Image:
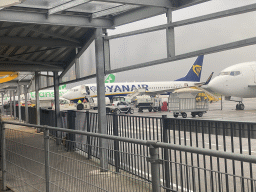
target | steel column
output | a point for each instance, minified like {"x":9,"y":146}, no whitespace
{"x":14,"y":104}
{"x":37,"y":100}
{"x":107,"y":53}
{"x":57,"y":105}
{"x":2,"y":103}
{"x":155,"y":168}
{"x":3,"y":158}
{"x":47,"y":160}
{"x":10,"y":94}
{"x":102,"y":120}
{"x":18,"y":92}
{"x":170,"y":39}
{"x":77,"y":66}
{"x":26,"y":102}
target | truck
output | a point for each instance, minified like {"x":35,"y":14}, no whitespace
{"x":149,"y":103}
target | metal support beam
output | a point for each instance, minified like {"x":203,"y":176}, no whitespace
{"x":37,"y":99}
{"x":153,"y":3}
{"x":170,"y":38}
{"x":39,"y":18}
{"x":77,"y":66}
{"x":57,"y":104}
{"x":29,"y":66}
{"x":38,"y":42}
{"x":137,"y":15}
{"x":10,"y":94}
{"x":107,"y":54}
{"x":19,"y":106}
{"x":14,"y":101}
{"x":81,"y":51}
{"x":216,"y":49}
{"x":66,"y":6}
{"x":102,"y":119}
{"x":2,"y":110}
{"x":26,"y":103}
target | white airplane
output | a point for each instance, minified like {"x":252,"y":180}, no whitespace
{"x":235,"y":83}
{"x":123,"y":89}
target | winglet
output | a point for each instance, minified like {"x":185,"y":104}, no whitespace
{"x":209,"y":79}
{"x":194,"y":73}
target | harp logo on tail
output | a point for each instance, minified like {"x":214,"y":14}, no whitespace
{"x":197,"y":69}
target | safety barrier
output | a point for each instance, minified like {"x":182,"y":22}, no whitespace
{"x":193,"y":155}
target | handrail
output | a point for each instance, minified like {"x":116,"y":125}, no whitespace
{"x":152,"y":143}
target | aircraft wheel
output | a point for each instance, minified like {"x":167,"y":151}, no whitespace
{"x":184,"y":115}
{"x":241,"y":106}
{"x":200,"y":114}
{"x":237,"y":107}
{"x":131,"y":111}
{"x":150,"y":110}
{"x":175,"y":116}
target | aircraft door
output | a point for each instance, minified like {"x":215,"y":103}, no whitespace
{"x":85,"y":90}
{"x":254,"y":72}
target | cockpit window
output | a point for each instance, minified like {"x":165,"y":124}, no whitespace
{"x":232,"y":73}
{"x":235,"y":73}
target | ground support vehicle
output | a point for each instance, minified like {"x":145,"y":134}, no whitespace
{"x":120,"y":107}
{"x":183,"y":102}
{"x":149,"y":103}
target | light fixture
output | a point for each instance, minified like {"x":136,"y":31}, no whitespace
{"x":7,"y":3}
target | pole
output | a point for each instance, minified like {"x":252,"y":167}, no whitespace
{"x":47,"y":156}
{"x":3,"y":150}
{"x":19,"y":102}
{"x":100,"y":76}
{"x":26,"y":103}
{"x":37,"y":100}
{"x":14,"y":105}
{"x":155,"y":169}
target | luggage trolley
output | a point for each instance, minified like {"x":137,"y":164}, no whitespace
{"x":187,"y":100}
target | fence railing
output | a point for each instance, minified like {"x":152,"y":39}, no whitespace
{"x":179,"y":169}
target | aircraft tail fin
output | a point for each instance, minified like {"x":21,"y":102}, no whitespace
{"x":194,"y":73}
{"x":209,"y":79}
{"x":110,"y":78}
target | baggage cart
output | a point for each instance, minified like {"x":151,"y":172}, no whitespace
{"x":182,"y":102}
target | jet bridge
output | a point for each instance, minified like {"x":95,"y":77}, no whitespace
{"x":44,"y":39}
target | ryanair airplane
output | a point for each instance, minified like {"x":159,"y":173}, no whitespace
{"x":151,"y":88}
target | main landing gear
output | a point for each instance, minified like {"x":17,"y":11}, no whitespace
{"x":240,"y":106}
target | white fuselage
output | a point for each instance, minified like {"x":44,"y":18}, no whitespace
{"x":116,"y":89}
{"x":237,"y":81}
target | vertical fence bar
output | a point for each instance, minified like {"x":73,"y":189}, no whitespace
{"x":155,"y":168}
{"x":116,"y":143}
{"x":3,"y":150}
{"x":166,"y":156}
{"x":88,"y":123}
{"x":47,"y":155}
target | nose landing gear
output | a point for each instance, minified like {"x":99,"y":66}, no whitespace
{"x":240,"y":106}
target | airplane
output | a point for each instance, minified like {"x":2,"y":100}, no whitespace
{"x":122,"y":89}
{"x":235,"y":83}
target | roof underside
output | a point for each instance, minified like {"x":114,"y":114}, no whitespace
{"x":47,"y":35}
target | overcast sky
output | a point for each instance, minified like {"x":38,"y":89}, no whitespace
{"x":147,"y":47}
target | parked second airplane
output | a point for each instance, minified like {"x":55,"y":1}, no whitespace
{"x":235,"y":83}
{"x":118,"y":89}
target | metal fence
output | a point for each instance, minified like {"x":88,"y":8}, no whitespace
{"x":34,"y":162}
{"x":180,"y":170}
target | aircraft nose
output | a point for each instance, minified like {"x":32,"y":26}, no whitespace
{"x":216,"y":85}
